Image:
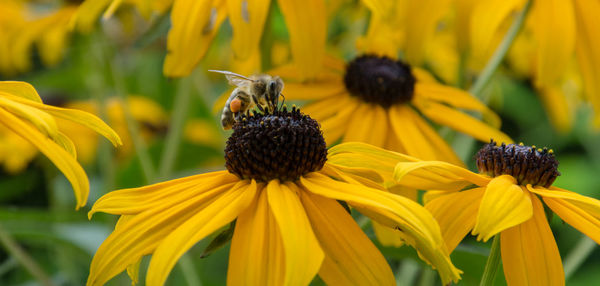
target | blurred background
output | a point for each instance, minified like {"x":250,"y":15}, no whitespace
{"x":170,"y":128}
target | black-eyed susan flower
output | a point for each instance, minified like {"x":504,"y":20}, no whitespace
{"x":387,"y":103}
{"x":282,"y":192}
{"x":505,"y":199}
{"x":562,"y":32}
{"x":23,"y":113}
{"x":194,"y":24}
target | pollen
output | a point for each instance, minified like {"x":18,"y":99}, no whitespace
{"x":527,"y":165}
{"x":380,"y":80}
{"x":280,"y":145}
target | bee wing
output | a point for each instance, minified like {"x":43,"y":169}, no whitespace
{"x":234,"y":78}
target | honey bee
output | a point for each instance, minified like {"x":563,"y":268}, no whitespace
{"x":262,"y":91}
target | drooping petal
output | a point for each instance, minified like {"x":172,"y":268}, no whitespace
{"x":59,"y":157}
{"x":587,"y":50}
{"x":350,"y":257}
{"x":215,"y":215}
{"x":88,"y":14}
{"x":20,"y":89}
{"x":247,"y":18}
{"x":387,"y":236}
{"x":306,"y":21}
{"x":555,"y":39}
{"x":529,"y":252}
{"x":581,"y":212}
{"x":456,"y":214}
{"x":393,"y":211}
{"x":457,"y":98}
{"x":194,"y":24}
{"x":257,"y":255}
{"x":303,"y":254}
{"x":142,"y":234}
{"x":137,"y":200}
{"x":38,"y":118}
{"x":436,"y":175}
{"x":504,"y":205}
{"x":81,"y":117}
{"x":460,"y":121}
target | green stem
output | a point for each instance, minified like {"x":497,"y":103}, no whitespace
{"x":498,"y":56}
{"x":491,"y":266}
{"x":15,"y":250}
{"x":189,"y":271}
{"x":578,"y":255}
{"x":173,"y":140}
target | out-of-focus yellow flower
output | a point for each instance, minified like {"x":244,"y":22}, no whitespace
{"x":195,"y":23}
{"x":15,"y":152}
{"x":505,"y":201}
{"x":560,"y":32}
{"x":23,"y":113}
{"x":22,"y":26}
{"x":289,"y":226}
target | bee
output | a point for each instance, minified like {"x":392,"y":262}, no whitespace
{"x":261,"y":91}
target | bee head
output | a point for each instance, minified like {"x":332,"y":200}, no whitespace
{"x":274,"y":89}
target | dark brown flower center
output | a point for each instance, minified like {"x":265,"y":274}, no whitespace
{"x":526,"y":164}
{"x":280,"y":145}
{"x":380,"y":80}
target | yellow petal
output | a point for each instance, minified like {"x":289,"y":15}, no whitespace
{"x":442,"y":149}
{"x":457,"y":98}
{"x":137,"y":200}
{"x":63,"y":141}
{"x":20,"y":89}
{"x":504,"y":205}
{"x":456,"y":213}
{"x":422,"y":18}
{"x":393,"y":211}
{"x":382,"y":8}
{"x":247,"y":19}
{"x":436,"y":175}
{"x":81,"y":117}
{"x":412,"y":139}
{"x":387,"y":236}
{"x":488,"y":17}
{"x":303,"y":255}
{"x":133,"y":271}
{"x":384,"y":37}
{"x":350,"y":257}
{"x":142,"y":233}
{"x":335,"y":127}
{"x":587,"y":50}
{"x":581,"y":212}
{"x":369,"y":125}
{"x":555,"y":39}
{"x":529,"y":252}
{"x":40,"y":119}
{"x":59,"y":157}
{"x":87,"y":14}
{"x":460,"y":121}
{"x":307,"y":37}
{"x":194,"y":24}
{"x":560,"y":114}
{"x":327,"y":107}
{"x":257,"y":255}
{"x":215,"y":215}
{"x":313,"y":90}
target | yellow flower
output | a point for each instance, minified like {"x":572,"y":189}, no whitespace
{"x":23,"y":113}
{"x":195,"y":23}
{"x":23,"y":26}
{"x":282,"y":193}
{"x":562,"y":31}
{"x":505,"y":200}
{"x":387,"y":103}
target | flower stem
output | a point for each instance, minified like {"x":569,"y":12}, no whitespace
{"x":13,"y":248}
{"x":491,"y":266}
{"x":498,"y":56}
{"x":578,"y":255}
{"x":173,"y":140}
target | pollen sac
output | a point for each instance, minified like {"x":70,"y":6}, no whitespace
{"x":380,"y":80}
{"x":526,"y":164}
{"x":280,"y":145}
